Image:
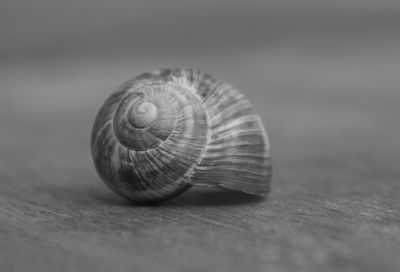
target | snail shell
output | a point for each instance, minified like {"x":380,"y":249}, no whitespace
{"x":162,"y":132}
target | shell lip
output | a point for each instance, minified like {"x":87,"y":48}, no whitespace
{"x":260,"y":191}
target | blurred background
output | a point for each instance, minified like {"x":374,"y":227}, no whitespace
{"x":323,"y":75}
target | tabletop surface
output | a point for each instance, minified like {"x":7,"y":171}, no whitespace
{"x":331,"y":109}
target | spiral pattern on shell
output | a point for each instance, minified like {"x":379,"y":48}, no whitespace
{"x":162,"y":132}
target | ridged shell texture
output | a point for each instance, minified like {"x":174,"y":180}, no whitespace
{"x":162,"y":132}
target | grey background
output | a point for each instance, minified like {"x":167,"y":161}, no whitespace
{"x":323,"y":75}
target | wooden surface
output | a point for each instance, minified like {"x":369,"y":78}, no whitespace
{"x":333,"y":119}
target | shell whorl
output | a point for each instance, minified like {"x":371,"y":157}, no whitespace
{"x":164,"y":131}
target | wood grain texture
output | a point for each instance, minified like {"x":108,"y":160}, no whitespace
{"x":334,"y":204}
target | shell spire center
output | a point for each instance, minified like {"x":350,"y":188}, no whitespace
{"x":142,"y":114}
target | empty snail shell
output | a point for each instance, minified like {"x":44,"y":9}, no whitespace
{"x":162,"y":132}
